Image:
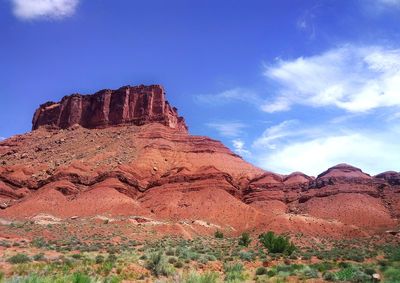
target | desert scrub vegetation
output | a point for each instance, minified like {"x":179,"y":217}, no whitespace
{"x":268,"y":258}
{"x":158,"y":264}
{"x":244,"y":239}
{"x":234,"y":272}
{"x":19,"y":258}
{"x":277,"y":243}
{"x":207,"y":277}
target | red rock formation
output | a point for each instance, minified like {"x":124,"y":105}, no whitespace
{"x":136,"y":105}
{"x":151,"y":167}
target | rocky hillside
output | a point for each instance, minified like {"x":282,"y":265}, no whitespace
{"x":127,"y":153}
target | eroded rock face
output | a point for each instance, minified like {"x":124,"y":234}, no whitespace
{"x":137,"y":105}
{"x":151,"y":167}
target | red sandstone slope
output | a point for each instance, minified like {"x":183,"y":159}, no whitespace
{"x":127,"y":152}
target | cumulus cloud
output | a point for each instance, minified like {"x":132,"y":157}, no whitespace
{"x":240,"y":148}
{"x":228,"y":129}
{"x":36,"y":9}
{"x":2,"y":138}
{"x":356,"y":79}
{"x":314,"y":150}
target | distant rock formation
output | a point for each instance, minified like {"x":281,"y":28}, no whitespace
{"x":137,"y":105}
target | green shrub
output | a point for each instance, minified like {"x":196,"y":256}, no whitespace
{"x":19,"y":258}
{"x":329,"y":276}
{"x":208,"y":277}
{"x":245,"y":239}
{"x":178,"y":264}
{"x":307,"y":272}
{"x":261,"y":270}
{"x":218,"y":234}
{"x":99,"y":259}
{"x":353,"y":274}
{"x":172,"y":260}
{"x":323,"y":266}
{"x":112,"y":258}
{"x":80,"y":278}
{"x":77,"y":256}
{"x":394,"y":254}
{"x":247,"y":256}
{"x":392,"y":275}
{"x":170,"y":252}
{"x":234,"y":272}
{"x":276,"y":244}
{"x":38,"y":242}
{"x":39,"y":257}
{"x":158,"y":265}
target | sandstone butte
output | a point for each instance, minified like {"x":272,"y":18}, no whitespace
{"x":127,"y":153}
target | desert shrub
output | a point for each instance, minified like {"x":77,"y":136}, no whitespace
{"x":218,"y":234}
{"x":308,"y":272}
{"x":329,"y":276}
{"x":39,"y":257}
{"x":38,"y":242}
{"x":172,"y":260}
{"x":158,"y":265}
{"x":261,"y":271}
{"x":170,"y":252}
{"x":99,"y":259}
{"x":76,"y":256}
{"x":276,"y":244}
{"x":105,"y":268}
{"x":211,"y":257}
{"x":247,"y":256}
{"x":272,"y":272}
{"x":392,"y":275}
{"x":112,"y":258}
{"x":112,"y":279}
{"x":234,"y":272}
{"x":393,"y":253}
{"x":353,"y":273}
{"x":208,"y":277}
{"x":244,"y":239}
{"x":323,"y":266}
{"x":203,"y":259}
{"x":178,"y":264}
{"x":80,"y":278}
{"x":19,"y":258}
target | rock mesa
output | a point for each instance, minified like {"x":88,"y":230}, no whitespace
{"x":136,"y":105}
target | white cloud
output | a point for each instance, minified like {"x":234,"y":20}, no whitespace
{"x":275,"y":134}
{"x":2,"y":138}
{"x":35,"y":9}
{"x":356,"y":79}
{"x":238,"y":94}
{"x":228,"y":129}
{"x":388,"y":3}
{"x":240,"y":148}
{"x":312,"y":150}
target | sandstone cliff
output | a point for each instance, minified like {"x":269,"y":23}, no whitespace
{"x":136,"y":105}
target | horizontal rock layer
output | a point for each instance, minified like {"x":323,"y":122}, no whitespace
{"x":136,"y":105}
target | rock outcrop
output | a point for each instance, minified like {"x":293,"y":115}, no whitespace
{"x":150,"y":166}
{"x":136,"y":105}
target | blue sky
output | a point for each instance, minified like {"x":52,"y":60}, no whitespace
{"x":289,"y":85}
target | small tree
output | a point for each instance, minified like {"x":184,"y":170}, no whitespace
{"x":244,"y":239}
